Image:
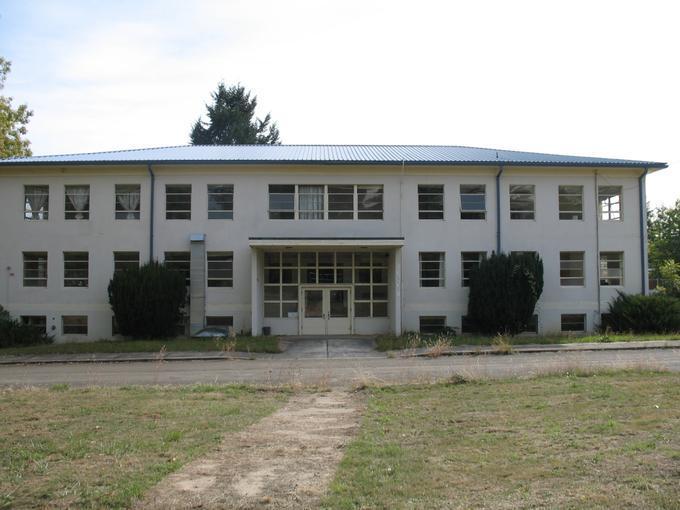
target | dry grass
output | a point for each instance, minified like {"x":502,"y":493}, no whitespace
{"x":603,"y":440}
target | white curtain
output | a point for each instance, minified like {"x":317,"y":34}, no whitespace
{"x":79,"y":196}
{"x":129,"y":201}
{"x":36,"y":203}
{"x":311,"y":202}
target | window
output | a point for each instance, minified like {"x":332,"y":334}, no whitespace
{"x":571,"y":269}
{"x":38,"y":322}
{"x":178,"y":201}
{"x":35,"y":269}
{"x":123,"y":260}
{"x":220,"y":201}
{"x":76,"y":269}
{"x":281,"y":201}
{"x":179,"y":261}
{"x":432,"y":324}
{"x":573,"y":322}
{"x":472,"y":202}
{"x":74,"y":324}
{"x":610,"y":203}
{"x":77,"y":202}
{"x":370,"y":202}
{"x":522,"y":201}
{"x":341,"y":202}
{"x":220,"y":269}
{"x":219,"y":321}
{"x":532,"y":325}
{"x":36,"y":202}
{"x":281,"y":278}
{"x":611,"y":268}
{"x":430,"y":202}
{"x":310,"y":202}
{"x":370,"y":268}
{"x":127,"y":201}
{"x":466,"y":325}
{"x":570,"y":202}
{"x":469,"y":261}
{"x":431,"y":269}
{"x":522,"y":253}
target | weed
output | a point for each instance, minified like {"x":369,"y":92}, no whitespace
{"x":59,"y":387}
{"x":502,"y":344}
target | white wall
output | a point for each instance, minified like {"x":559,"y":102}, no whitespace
{"x":102,"y":234}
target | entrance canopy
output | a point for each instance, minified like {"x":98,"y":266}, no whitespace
{"x":326,"y":242}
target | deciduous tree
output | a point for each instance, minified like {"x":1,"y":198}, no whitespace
{"x":12,"y":121}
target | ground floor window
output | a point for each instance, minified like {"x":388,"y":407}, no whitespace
{"x":74,"y":324}
{"x":39,"y":322}
{"x":179,"y":261}
{"x":219,"y":321}
{"x":430,"y":324}
{"x":574,"y":322}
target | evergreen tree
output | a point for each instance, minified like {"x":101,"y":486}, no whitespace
{"x":232,"y":121}
{"x":12,"y":121}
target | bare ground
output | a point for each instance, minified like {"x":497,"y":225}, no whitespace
{"x":284,"y":461}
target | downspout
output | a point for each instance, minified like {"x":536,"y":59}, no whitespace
{"x":643,"y":231}
{"x":498,"y":209}
{"x":152,"y":193}
{"x":597,"y":246}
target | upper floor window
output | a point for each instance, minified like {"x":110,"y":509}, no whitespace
{"x":611,"y":268}
{"x":220,"y":269}
{"x":469,"y":261}
{"x":572,"y":273}
{"x":123,"y":260}
{"x":77,"y":202}
{"x":430,"y":202}
{"x":317,"y":202}
{"x":35,"y":269}
{"x":431,"y":269}
{"x":220,"y":201}
{"x":179,"y":261}
{"x":570,"y":202}
{"x":472,"y":201}
{"x":127,"y":201}
{"x":178,"y":201}
{"x":36,"y":202}
{"x":610,"y":203}
{"x":76,"y":269}
{"x":522,"y":202}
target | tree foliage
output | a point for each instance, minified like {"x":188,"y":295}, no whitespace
{"x":663,"y":229}
{"x":232,"y":121}
{"x":12,"y":121}
{"x":146,"y":301}
{"x":656,"y":313}
{"x":504,"y":290}
{"x":669,"y":274}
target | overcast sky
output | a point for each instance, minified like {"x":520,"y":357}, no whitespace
{"x":588,"y":78}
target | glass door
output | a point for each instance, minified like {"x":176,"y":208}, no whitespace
{"x":326,"y":311}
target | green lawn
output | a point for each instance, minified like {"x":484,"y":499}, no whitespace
{"x":571,"y":441}
{"x":103,"y":447}
{"x":414,"y":340}
{"x":244,"y":344}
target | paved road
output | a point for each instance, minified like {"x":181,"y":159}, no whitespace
{"x":332,"y":372}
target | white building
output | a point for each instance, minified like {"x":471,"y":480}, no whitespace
{"x":317,"y":239}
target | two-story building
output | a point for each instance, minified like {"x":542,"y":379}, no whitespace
{"x":322,"y":240}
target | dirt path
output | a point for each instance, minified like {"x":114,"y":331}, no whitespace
{"x":286,"y":460}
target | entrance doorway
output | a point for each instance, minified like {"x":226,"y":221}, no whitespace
{"x":326,"y":311}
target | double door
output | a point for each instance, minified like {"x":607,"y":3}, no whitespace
{"x":326,"y":311}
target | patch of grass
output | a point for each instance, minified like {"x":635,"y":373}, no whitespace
{"x":415,"y":340}
{"x":242,"y":343}
{"x":104,"y":447}
{"x":571,"y":441}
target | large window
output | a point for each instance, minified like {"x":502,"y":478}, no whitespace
{"x":127,"y":201}
{"x":179,"y":261}
{"x":469,"y":261}
{"x":220,"y":269}
{"x":281,"y":279}
{"x":35,"y":269}
{"x":76,"y":269}
{"x":611,"y":268}
{"x":574,"y":322}
{"x":178,"y":201}
{"x":74,"y":324}
{"x":522,"y":202}
{"x":430,"y":202}
{"x":77,"y":202}
{"x":123,"y":260}
{"x":610,"y":203}
{"x":431,"y":269}
{"x":570,"y":202}
{"x":318,"y":202}
{"x":220,"y":201}
{"x":472,"y":201}
{"x":36,"y":202}
{"x":571,"y":269}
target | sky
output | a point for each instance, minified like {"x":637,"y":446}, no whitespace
{"x":587,"y":78}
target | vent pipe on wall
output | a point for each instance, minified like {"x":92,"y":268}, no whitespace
{"x":498,"y":208}
{"x":152,"y":193}
{"x":643,"y":232}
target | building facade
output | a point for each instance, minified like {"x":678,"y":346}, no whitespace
{"x":317,"y":240}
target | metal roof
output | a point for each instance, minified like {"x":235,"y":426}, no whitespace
{"x":327,"y":154}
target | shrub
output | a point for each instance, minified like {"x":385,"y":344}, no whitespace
{"x":504,"y":290}
{"x":14,"y":333}
{"x":656,"y":313}
{"x":146,"y":301}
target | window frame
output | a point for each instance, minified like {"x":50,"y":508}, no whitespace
{"x":76,"y":264}
{"x":436,"y":191}
{"x":516,"y":214}
{"x":573,"y":316}
{"x":605,"y":280}
{"x":434,"y":328}
{"x":609,"y":214}
{"x":178,"y":214}
{"x":70,"y":213}
{"x":293,"y":211}
{"x":471,"y":214}
{"x":440,"y":279}
{"x":465,"y":271}
{"x":44,"y":212}
{"x":221,"y":214}
{"x":220,"y":257}
{"x":567,"y":261}
{"x":79,"y":327}
{"x":123,"y":214}
{"x":41,"y":267}
{"x":562,"y":193}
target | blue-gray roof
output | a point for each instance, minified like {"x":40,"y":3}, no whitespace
{"x":328,"y":154}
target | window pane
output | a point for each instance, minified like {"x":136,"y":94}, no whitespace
{"x":220,"y":269}
{"x":178,"y":201}
{"x":123,"y":260}
{"x":370,"y":202}
{"x":609,"y":198}
{"x":127,"y":201}
{"x":571,"y":268}
{"x":570,"y":202}
{"x":430,"y":202}
{"x":77,"y":202}
{"x":36,"y":202}
{"x":430,"y":325}
{"x":340,"y":202}
{"x":522,"y":201}
{"x":310,"y":202}
{"x":35,"y":269}
{"x":220,"y":201}
{"x":76,"y":269}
